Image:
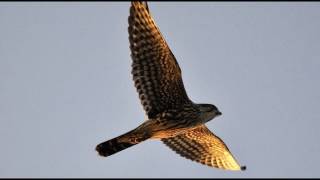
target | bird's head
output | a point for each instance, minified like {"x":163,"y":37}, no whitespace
{"x":208,"y":112}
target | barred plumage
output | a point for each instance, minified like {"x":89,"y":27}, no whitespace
{"x":172,"y":116}
{"x":202,"y":146}
{"x":156,"y":73}
{"x":120,"y":143}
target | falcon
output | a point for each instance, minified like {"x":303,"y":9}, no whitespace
{"x":172,"y":117}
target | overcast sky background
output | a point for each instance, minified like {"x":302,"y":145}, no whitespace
{"x":65,"y":86}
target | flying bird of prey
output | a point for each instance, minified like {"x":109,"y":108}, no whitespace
{"x":172,"y":117}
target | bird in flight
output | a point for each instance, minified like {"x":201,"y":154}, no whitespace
{"x":172,"y":117}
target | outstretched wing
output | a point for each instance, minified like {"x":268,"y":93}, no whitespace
{"x":155,"y":71}
{"x":201,"y":145}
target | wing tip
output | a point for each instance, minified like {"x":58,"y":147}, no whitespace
{"x":144,"y":3}
{"x":243,"y":168}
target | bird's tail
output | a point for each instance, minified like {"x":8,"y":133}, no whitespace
{"x":120,"y":143}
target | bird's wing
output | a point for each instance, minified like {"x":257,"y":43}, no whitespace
{"x":156,"y":73}
{"x":202,"y":146}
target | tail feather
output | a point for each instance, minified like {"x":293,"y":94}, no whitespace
{"x":111,"y":147}
{"x":118,"y":144}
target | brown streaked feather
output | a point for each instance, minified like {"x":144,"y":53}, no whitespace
{"x":156,"y":73}
{"x":202,"y":146}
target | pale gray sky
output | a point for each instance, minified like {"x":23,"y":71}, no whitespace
{"x":65,"y":86}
